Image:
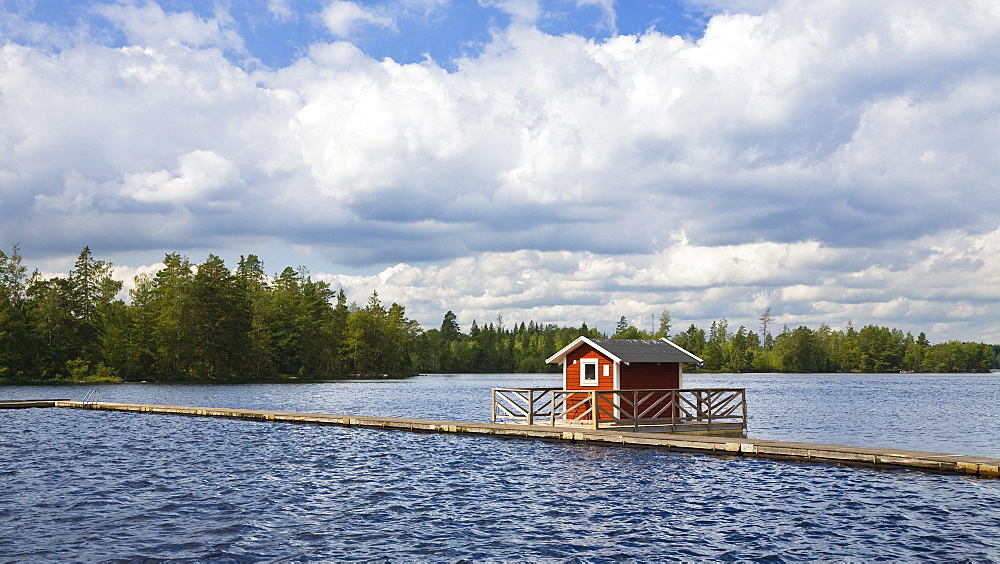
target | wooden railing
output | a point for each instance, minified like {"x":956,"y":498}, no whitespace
{"x":667,"y":410}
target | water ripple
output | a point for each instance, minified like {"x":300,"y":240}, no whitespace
{"x":130,"y":487}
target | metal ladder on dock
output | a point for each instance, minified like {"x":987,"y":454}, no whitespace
{"x":92,"y":397}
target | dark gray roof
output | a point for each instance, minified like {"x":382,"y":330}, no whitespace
{"x":645,"y":350}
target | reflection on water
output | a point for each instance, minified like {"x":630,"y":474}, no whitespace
{"x":88,"y":486}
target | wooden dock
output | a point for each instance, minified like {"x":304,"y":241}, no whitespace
{"x":803,"y":452}
{"x":24,"y":404}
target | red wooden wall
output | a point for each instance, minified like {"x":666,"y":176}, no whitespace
{"x":653,"y":375}
{"x":573,"y":370}
{"x":636,"y":376}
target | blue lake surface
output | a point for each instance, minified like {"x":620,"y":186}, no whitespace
{"x":80,"y":485}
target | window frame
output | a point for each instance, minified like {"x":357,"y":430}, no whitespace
{"x":584,"y":363}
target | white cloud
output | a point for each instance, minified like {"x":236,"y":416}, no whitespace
{"x":281,"y":10}
{"x":342,"y":18}
{"x":149,"y":25}
{"x":836,"y":160}
{"x":425,"y":7}
{"x":522,"y":12}
{"x":199,"y":175}
{"x":950,"y":290}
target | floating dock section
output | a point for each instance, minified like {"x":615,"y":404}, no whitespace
{"x":803,"y":452}
{"x":24,"y":404}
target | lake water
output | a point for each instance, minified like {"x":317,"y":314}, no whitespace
{"x":80,"y":485}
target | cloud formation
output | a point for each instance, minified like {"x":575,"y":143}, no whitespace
{"x":834,"y":161}
{"x":343,"y":17}
{"x":944,"y":285}
{"x":200,"y":174}
{"x":150,"y":25}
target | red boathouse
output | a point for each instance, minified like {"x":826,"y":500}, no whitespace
{"x":622,"y":364}
{"x":624,"y":383}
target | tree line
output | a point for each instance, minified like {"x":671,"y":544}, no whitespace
{"x":205,"y":322}
{"x":192,"y":322}
{"x":872,"y":349}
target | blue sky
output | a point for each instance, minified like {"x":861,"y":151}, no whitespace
{"x":276,"y":32}
{"x":561,"y":161}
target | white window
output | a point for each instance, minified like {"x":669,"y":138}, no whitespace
{"x":588,"y":372}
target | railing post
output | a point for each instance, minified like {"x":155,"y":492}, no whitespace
{"x":635,"y":410}
{"x":593,"y":409}
{"x":493,"y":405}
{"x":708,"y":402}
{"x":552,"y":414}
{"x":531,"y":407}
{"x":743,"y":404}
{"x":675,"y":397}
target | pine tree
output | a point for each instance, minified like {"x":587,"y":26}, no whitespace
{"x":664,"y":330}
{"x":222,"y":321}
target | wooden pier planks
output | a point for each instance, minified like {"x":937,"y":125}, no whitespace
{"x":25,"y":404}
{"x":937,"y":462}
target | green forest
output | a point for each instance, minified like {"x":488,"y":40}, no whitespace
{"x":205,"y":322}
